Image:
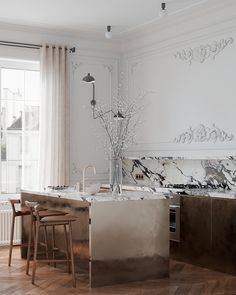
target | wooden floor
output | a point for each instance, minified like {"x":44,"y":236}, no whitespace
{"x":184,"y":279}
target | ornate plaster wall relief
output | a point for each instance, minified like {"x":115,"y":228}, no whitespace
{"x":203,"y":52}
{"x":75,"y":66}
{"x":133,"y":67}
{"x":109,"y":68}
{"x":204,"y":134}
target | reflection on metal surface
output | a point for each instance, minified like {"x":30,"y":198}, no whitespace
{"x":129,"y":241}
{"x":125,"y":241}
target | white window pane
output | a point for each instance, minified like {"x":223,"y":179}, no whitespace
{"x":3,"y":146}
{"x":19,"y":114}
{"x":14,"y":146}
{"x":31,"y":117}
{"x":12,"y":84}
{"x":3,"y":177}
{"x":14,"y":172}
{"x":32,"y":85}
{"x":11,"y":115}
{"x":31,"y":146}
{"x":30,"y":175}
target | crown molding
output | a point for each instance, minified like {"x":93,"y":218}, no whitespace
{"x":212,"y":14}
{"x":87,"y":40}
{"x":160,"y":31}
{"x":84,"y":31}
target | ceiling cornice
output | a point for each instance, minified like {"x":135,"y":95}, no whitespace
{"x":210,"y":14}
{"x":90,"y":40}
{"x":209,"y":11}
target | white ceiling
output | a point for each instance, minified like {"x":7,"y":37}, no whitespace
{"x":76,"y":16}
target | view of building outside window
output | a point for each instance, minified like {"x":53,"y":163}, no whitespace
{"x":19,"y":141}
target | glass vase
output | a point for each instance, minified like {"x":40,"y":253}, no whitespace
{"x":116,"y":176}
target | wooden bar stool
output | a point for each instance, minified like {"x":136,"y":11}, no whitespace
{"x":22,"y":211}
{"x":32,"y":231}
{"x":53,"y":221}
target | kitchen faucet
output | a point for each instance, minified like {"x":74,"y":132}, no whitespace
{"x":84,"y":174}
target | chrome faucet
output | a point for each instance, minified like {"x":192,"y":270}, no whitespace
{"x":84,"y":174}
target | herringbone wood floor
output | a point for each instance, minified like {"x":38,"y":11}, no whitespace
{"x":184,"y":279}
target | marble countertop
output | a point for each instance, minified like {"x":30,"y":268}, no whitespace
{"x":72,"y":194}
{"x":226,"y":194}
{"x":135,"y":192}
{"x":215,"y":193}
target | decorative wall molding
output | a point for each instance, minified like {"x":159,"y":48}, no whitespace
{"x":133,"y":66}
{"x":203,"y":52}
{"x":204,"y":134}
{"x":109,"y":68}
{"x":75,"y":66}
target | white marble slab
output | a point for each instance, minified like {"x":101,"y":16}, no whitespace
{"x":72,"y":194}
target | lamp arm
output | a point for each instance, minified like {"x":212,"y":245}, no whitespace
{"x":93,"y":91}
{"x":100,"y":115}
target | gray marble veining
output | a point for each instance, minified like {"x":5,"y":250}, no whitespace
{"x":213,"y":173}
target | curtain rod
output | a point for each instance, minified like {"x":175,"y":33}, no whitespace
{"x":29,"y":45}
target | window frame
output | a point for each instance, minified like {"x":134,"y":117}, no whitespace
{"x":26,"y":65}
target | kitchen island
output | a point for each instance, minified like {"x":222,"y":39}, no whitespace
{"x":116,"y":239}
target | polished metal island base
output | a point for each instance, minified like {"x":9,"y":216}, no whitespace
{"x":116,"y":241}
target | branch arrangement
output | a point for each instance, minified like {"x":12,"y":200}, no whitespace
{"x":120,"y":133}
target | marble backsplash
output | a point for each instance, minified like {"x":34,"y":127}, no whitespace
{"x":216,"y":173}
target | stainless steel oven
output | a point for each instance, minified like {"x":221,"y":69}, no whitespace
{"x":175,"y":222}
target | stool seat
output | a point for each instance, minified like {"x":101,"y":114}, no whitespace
{"x":59,"y":219}
{"x":22,"y":211}
{"x":46,"y":213}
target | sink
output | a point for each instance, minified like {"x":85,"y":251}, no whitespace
{"x":93,"y":189}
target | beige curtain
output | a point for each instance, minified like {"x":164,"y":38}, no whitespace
{"x":54,"y":162}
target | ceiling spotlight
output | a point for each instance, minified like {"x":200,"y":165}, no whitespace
{"x":163,"y":11}
{"x":108,"y":33}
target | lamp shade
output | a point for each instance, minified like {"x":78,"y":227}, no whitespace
{"x":89,"y":79}
{"x":118,"y":116}
{"x":163,"y":11}
{"x":108,"y":33}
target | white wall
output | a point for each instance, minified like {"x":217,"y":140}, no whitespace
{"x":180,"y":94}
{"x":86,"y":135}
{"x":100,"y":58}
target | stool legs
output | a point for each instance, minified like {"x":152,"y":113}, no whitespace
{"x":35,"y":253}
{"x":70,"y":258}
{"x":67,"y":249}
{"x":72,"y":255}
{"x":11,"y":239}
{"x":46,"y":242}
{"x":53,"y":245}
{"x":32,"y":228}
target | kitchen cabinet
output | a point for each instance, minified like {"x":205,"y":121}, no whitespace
{"x":207,"y":233}
{"x":224,"y":234}
{"x":195,"y":225}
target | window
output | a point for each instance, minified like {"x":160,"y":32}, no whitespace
{"x":19,"y":114}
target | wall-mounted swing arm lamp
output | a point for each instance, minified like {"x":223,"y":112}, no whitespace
{"x":90,"y":79}
{"x":117,"y":116}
